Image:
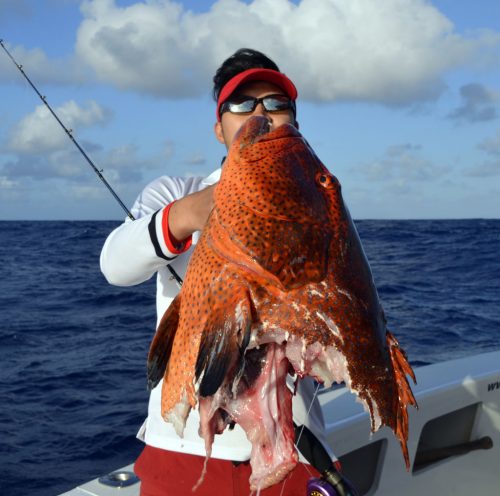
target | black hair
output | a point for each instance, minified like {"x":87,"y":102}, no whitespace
{"x":242,"y":60}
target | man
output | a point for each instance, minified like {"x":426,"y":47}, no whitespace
{"x":170,"y":213}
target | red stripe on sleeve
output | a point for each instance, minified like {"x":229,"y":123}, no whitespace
{"x":174,"y":245}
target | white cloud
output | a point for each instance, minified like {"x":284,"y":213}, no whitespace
{"x":143,"y":46}
{"x":486,"y":169}
{"x":389,"y":51}
{"x":478,"y":104}
{"x":401,"y":167}
{"x":124,"y":164}
{"x":491,"y":166}
{"x":87,"y":192}
{"x":39,"y":132}
{"x":6,"y":183}
{"x":64,"y":163}
{"x":120,"y":165}
{"x":40,"y":68}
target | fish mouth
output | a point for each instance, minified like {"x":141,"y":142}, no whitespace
{"x":258,"y":128}
{"x":283,"y":131}
{"x":251,"y":130}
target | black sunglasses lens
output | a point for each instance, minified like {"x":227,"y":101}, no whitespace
{"x":276,"y":103}
{"x":242,"y":106}
{"x":272,"y":103}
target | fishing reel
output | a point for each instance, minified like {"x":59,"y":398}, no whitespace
{"x":331,"y":483}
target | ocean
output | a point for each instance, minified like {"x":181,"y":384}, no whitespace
{"x":73,"y":348}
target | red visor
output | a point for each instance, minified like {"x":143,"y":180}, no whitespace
{"x":269,"y":75}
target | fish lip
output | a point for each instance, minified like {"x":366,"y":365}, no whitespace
{"x":285,"y":131}
{"x":261,"y":123}
{"x":251,"y":130}
{"x":262,"y":130}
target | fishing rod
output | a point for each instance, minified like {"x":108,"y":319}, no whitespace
{"x":69,"y":133}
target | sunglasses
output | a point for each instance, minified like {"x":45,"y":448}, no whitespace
{"x":246,"y":104}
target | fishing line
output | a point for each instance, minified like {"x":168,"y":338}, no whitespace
{"x":307,"y":414}
{"x":301,"y":432}
{"x":69,"y":133}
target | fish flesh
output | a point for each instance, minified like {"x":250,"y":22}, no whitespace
{"x":278,"y":284}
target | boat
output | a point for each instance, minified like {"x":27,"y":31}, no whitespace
{"x":454,"y":438}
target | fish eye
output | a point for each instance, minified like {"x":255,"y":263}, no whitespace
{"x":325,"y":180}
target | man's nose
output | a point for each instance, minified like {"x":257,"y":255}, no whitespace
{"x":260,"y":110}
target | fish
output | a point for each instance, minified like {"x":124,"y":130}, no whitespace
{"x":278,"y":285}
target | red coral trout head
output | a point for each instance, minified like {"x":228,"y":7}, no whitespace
{"x":273,"y":174}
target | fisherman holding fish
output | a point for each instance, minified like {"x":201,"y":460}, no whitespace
{"x":170,"y":213}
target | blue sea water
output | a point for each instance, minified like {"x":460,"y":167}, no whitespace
{"x":73,"y":348}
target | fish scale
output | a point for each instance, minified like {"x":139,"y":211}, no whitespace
{"x":278,"y":280}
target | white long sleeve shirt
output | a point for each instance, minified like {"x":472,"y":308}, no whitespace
{"x":132,"y":254}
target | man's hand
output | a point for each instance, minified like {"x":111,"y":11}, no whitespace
{"x":190,"y":213}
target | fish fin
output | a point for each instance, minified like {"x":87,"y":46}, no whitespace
{"x":223,"y":344}
{"x":405,"y":395}
{"x":161,"y":346}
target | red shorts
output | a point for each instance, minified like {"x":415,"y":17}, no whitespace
{"x":167,"y":473}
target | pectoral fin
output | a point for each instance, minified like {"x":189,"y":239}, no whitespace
{"x":223,"y":343}
{"x":161,"y":347}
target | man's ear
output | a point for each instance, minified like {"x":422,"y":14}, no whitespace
{"x":218,"y":132}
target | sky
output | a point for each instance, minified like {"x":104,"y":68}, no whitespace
{"x":399,"y":98}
